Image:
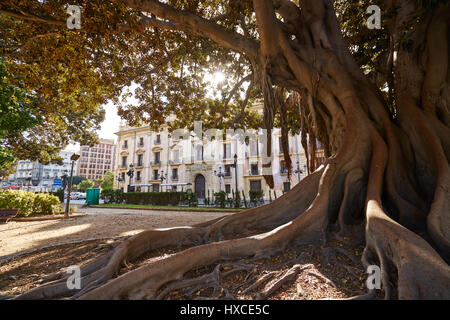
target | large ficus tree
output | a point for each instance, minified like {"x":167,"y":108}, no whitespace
{"x":378,"y":101}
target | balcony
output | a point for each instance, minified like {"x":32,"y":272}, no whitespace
{"x":123,"y":166}
{"x":124,"y":146}
{"x":155,"y":163}
{"x":177,"y":161}
{"x":284,"y":171}
{"x":174,"y":177}
{"x":157,"y":141}
{"x":254,"y":172}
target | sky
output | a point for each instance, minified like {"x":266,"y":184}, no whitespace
{"x":108,"y":126}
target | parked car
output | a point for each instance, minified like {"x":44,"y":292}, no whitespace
{"x":81,"y":195}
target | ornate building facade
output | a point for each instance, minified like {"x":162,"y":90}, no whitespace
{"x":163,"y":161}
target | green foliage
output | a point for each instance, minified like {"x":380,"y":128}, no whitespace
{"x":245,"y":200}
{"x":112,"y":196}
{"x":190,"y":198}
{"x":220,"y":199}
{"x":59,"y":193}
{"x":154,"y":198}
{"x":29,"y":202}
{"x":256,"y":197}
{"x":77,"y":179}
{"x":85,"y":184}
{"x":108,"y":181}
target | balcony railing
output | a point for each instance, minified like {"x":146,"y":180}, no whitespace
{"x":123,"y":166}
{"x":284,"y":171}
{"x":253,"y":172}
{"x":157,"y":141}
{"x":174,"y":177}
{"x":124,"y":146}
{"x":155,"y":163}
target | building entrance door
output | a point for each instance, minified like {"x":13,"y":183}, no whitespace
{"x":200,"y":186}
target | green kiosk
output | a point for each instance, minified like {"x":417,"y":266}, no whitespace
{"x":92,"y":196}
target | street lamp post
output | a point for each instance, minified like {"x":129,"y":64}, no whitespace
{"x":30,"y":176}
{"x":298,"y":171}
{"x":162,"y":178}
{"x":74,"y":158}
{"x":219,"y":175}
{"x":130,"y":173}
{"x":119,"y":180}
{"x":234,"y":165}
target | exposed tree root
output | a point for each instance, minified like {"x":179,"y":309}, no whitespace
{"x":286,"y":276}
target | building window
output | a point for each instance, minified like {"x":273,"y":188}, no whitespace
{"x":157,"y":157}
{"x":125,"y":144}
{"x":228,"y":188}
{"x":255,"y":185}
{"x":227,"y":150}
{"x":283,"y":167}
{"x":199,"y":154}
{"x":286,"y":186}
{"x":139,"y":161}
{"x":254,"y":148}
{"x":254,"y":169}
{"x":123,"y":176}
{"x":227,"y":170}
{"x":174,"y":174}
{"x":281,"y":144}
{"x":124,"y":162}
{"x":155,"y":174}
{"x":158,"y":138}
{"x":138,"y":175}
{"x":176,"y":156}
{"x":141,"y":141}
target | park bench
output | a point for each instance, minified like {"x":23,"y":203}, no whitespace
{"x":6,"y":214}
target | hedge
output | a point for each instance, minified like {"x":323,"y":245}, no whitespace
{"x":29,"y":202}
{"x":112,"y":196}
{"x":154,"y":198}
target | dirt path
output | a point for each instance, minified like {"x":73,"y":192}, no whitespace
{"x":16,"y":237}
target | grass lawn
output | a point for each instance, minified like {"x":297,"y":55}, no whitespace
{"x":113,"y":205}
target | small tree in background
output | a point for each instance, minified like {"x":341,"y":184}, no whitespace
{"x":108,"y":181}
{"x":85,"y":184}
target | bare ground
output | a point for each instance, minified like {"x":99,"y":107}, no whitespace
{"x":50,"y":252}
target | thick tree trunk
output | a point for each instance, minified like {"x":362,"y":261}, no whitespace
{"x":387,"y":180}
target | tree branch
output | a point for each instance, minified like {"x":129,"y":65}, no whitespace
{"x":195,"y":25}
{"x":32,"y":17}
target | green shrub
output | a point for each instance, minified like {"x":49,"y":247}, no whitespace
{"x":112,"y":196}
{"x":29,"y":202}
{"x":256,"y":197}
{"x":190,"y":198}
{"x":154,"y":198}
{"x":221,"y":199}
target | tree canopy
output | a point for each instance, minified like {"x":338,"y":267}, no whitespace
{"x":377,"y":100}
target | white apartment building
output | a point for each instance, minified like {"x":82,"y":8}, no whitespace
{"x":163,"y":161}
{"x":41,"y":177}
